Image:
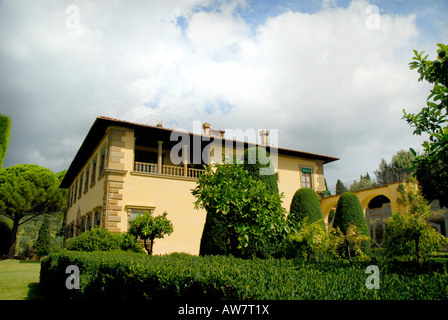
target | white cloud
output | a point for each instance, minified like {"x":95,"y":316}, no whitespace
{"x":328,"y":83}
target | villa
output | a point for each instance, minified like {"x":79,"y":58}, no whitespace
{"x":123,"y":169}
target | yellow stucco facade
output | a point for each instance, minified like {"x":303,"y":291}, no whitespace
{"x":123,"y":168}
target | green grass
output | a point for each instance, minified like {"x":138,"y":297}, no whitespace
{"x":19,"y":280}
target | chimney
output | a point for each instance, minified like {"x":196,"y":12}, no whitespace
{"x":264,"y":137}
{"x":206,"y":127}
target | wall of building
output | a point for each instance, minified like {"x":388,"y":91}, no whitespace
{"x":119,"y":189}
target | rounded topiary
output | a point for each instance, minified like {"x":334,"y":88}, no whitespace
{"x":349,"y":210}
{"x":257,"y":158}
{"x":305,"y":203}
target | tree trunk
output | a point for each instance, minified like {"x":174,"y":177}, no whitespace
{"x":149,"y":250}
{"x":12,"y":246}
{"x":151,"y":246}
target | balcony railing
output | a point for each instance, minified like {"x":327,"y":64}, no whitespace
{"x":173,"y":171}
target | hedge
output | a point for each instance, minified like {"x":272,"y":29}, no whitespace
{"x":131,"y":276}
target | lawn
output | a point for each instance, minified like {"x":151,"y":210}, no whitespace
{"x":19,"y":280}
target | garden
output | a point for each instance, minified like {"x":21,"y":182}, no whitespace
{"x":251,"y":247}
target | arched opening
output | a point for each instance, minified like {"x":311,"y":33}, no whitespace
{"x":378,"y":211}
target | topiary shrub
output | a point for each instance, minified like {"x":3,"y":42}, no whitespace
{"x":257,"y":158}
{"x":213,"y":240}
{"x":349,"y":211}
{"x":99,"y":239}
{"x":305,"y":203}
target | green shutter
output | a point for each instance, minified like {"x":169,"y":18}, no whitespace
{"x":308,"y":170}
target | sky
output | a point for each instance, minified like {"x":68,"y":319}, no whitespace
{"x":331,"y":76}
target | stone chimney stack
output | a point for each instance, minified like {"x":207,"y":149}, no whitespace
{"x":264,"y":137}
{"x":206,"y":127}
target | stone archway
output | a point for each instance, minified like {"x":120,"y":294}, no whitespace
{"x":377,"y":212}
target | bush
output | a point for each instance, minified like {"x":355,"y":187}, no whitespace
{"x":305,"y":204}
{"x":99,"y":239}
{"x":131,"y":276}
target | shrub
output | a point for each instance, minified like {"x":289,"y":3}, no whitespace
{"x":310,"y":242}
{"x":99,"y":239}
{"x":131,"y":276}
{"x":305,"y":204}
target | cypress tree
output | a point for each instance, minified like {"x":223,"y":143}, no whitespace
{"x":257,"y":158}
{"x":5,"y":128}
{"x":305,"y":203}
{"x":43,"y":242}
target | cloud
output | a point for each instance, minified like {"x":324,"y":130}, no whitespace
{"x":326,"y":81}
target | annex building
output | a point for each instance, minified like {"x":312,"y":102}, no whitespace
{"x":124,"y":168}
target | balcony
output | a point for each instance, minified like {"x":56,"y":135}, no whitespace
{"x":173,"y":171}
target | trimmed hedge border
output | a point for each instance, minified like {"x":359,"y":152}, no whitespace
{"x":132,"y":276}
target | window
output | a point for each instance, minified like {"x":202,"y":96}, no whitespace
{"x":86,"y":183}
{"x":102,"y":159}
{"x":69,"y":201}
{"x":80,"y":184}
{"x":97,"y":219}
{"x":75,"y":191}
{"x":306,"y":178}
{"x":92,"y":176}
{"x":89,"y":222}
{"x":135,"y":212}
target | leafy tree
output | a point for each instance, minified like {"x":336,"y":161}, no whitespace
{"x":432,"y":165}
{"x":27,"y":191}
{"x":410,"y":233}
{"x":398,"y":169}
{"x":43,"y":242}
{"x":364,"y":183}
{"x":257,"y":162}
{"x":253,"y":220}
{"x":147,"y":227}
{"x":349,"y":212}
{"x":305,"y":204}
{"x":5,"y":129}
{"x":340,"y":187}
